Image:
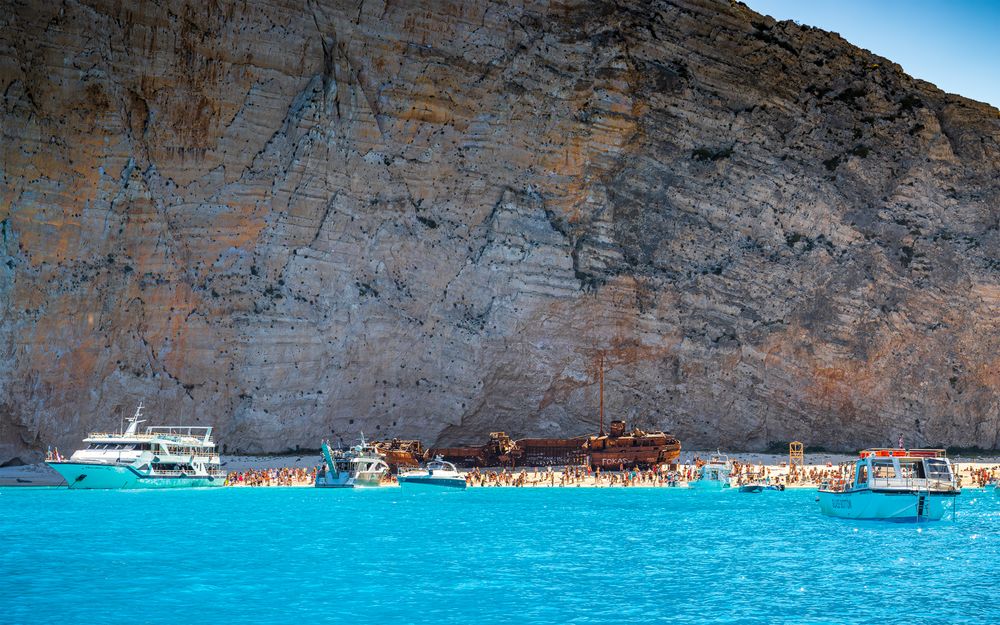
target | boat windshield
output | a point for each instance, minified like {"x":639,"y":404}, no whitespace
{"x":911,"y":469}
{"x":938,"y":470}
{"x":883,"y":469}
{"x":862,"y":476}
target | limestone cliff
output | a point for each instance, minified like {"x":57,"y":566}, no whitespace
{"x":298,"y":218}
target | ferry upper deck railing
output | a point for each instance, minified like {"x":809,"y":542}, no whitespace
{"x":201,"y":440}
{"x":181,"y":430}
{"x":213,"y":473}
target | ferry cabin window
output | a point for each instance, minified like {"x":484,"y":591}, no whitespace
{"x":862,"y":475}
{"x":911,"y":469}
{"x":883,"y":469}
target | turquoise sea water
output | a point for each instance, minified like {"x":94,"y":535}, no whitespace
{"x":525,"y":556}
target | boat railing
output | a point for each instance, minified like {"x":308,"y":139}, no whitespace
{"x":119,"y":435}
{"x":206,"y":458}
{"x":836,"y":485}
{"x":911,"y":483}
{"x":182,"y":439}
{"x":888,"y":452}
{"x":212,"y":473}
{"x":179,"y":430}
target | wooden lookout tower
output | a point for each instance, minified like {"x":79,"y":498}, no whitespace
{"x":796,"y":457}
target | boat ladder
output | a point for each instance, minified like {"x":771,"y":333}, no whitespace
{"x":922,"y":504}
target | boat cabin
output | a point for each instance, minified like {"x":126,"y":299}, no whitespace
{"x":901,"y":469}
{"x":439,"y":465}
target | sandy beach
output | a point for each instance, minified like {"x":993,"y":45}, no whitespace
{"x":774,"y":466}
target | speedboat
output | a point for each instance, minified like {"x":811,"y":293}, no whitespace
{"x":437,"y":473}
{"x":893,"y":485}
{"x":714,"y":474}
{"x":759,"y":487}
{"x":361,"y":466}
{"x":161,"y":457}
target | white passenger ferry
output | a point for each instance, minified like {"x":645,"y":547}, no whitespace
{"x":893,"y":485}
{"x":161,"y":457}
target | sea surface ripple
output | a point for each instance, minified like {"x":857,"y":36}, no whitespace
{"x":487,"y":555}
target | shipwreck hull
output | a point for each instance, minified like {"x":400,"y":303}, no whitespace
{"x":638,"y":449}
{"x":643,"y":457}
{"x":465,"y":457}
{"x":402,"y":459}
{"x":549,"y":452}
{"x":401,"y":454}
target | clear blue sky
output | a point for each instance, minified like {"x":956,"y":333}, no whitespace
{"x":954,"y":44}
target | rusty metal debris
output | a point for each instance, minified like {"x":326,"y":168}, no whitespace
{"x":616,"y":449}
{"x":401,"y":453}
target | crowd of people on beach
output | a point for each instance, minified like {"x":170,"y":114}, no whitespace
{"x":794,"y":475}
{"x":743,"y":473}
{"x":285,"y":476}
{"x":571,"y":476}
{"x":984,"y":476}
{"x":622,"y":476}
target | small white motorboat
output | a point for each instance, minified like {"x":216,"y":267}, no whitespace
{"x":437,"y":473}
{"x":714,"y":474}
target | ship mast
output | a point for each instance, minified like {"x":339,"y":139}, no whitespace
{"x":601,"y":377}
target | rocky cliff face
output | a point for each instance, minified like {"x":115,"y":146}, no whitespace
{"x":292,"y":219}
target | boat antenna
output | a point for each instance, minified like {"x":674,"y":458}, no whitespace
{"x":134,"y":422}
{"x":601,"y":376}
